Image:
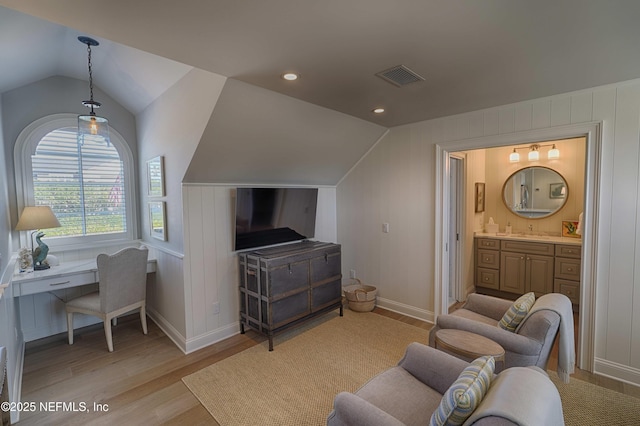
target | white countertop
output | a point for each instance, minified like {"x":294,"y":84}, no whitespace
{"x":531,"y":238}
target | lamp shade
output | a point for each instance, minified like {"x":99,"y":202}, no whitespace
{"x":514,"y":157}
{"x":37,"y":217}
{"x":554,"y":153}
{"x":94,"y":126}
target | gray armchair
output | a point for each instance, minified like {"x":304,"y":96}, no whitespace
{"x":122,"y":288}
{"x":531,"y":343}
{"x":409,"y":393}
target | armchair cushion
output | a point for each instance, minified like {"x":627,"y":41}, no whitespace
{"x":517,"y":312}
{"x":465,"y":394}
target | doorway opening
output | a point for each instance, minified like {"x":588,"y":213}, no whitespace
{"x":587,"y":204}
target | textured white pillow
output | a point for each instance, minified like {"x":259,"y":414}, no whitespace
{"x":517,"y":312}
{"x":465,"y":394}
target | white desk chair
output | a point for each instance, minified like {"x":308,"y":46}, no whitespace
{"x":122,"y":288}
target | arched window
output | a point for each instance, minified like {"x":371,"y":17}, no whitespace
{"x":87,"y":183}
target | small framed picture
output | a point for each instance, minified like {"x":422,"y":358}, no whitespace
{"x":557,"y":190}
{"x":570,"y":228}
{"x":479,"y":197}
{"x":155,"y":177}
{"x":157,"y":222}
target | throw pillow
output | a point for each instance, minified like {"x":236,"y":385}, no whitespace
{"x":465,"y":394}
{"x":517,"y":312}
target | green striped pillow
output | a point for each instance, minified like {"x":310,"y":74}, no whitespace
{"x":465,"y":394}
{"x":517,"y":312}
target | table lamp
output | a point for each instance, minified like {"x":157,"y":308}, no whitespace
{"x":38,"y":217}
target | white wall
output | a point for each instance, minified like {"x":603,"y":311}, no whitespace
{"x":396,"y":183}
{"x":392,"y":184}
{"x":172,"y":126}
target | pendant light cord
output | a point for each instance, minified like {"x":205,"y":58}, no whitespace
{"x":90,"y":75}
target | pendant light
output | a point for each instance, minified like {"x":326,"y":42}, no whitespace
{"x":92,"y":125}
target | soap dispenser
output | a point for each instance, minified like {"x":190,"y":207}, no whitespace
{"x":507,"y":229}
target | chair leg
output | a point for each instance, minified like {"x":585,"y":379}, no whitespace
{"x":143,"y":318}
{"x":107,"y":333}
{"x":70,"y":327}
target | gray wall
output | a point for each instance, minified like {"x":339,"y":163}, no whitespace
{"x":259,"y":136}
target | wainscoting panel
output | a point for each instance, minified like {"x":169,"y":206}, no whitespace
{"x":211,"y":266}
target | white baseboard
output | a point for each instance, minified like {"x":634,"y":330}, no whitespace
{"x":410,"y":311}
{"x":176,"y":337}
{"x":212,"y":337}
{"x":616,"y":371}
{"x":17,"y":379}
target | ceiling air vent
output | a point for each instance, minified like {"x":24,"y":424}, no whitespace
{"x":400,"y":76}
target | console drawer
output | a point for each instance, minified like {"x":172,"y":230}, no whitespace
{"x":42,"y":285}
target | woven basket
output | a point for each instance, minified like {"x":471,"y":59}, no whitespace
{"x":361,"y":298}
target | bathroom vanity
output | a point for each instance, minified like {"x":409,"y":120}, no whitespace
{"x":512,"y":265}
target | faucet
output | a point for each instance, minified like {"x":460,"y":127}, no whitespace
{"x":530,"y":228}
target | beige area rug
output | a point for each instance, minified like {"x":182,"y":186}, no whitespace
{"x":586,"y":404}
{"x":296,"y":383}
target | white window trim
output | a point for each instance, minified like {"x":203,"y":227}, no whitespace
{"x":25,"y":147}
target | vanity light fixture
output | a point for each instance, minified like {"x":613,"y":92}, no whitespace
{"x":290,"y":76}
{"x":534,"y":153}
{"x":554,"y":153}
{"x":91,"y":125}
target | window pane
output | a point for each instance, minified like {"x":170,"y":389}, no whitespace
{"x":83,"y":184}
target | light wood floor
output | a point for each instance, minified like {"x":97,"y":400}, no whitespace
{"x":140,"y":382}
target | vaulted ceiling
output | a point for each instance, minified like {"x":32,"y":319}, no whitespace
{"x":472,"y":54}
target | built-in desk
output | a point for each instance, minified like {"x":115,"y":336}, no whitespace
{"x":31,"y":285}
{"x":65,"y":275}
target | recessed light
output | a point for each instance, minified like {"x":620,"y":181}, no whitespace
{"x":378,"y":110}
{"x":290,"y":76}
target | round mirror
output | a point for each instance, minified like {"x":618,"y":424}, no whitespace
{"x":535,"y":192}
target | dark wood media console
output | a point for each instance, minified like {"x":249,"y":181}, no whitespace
{"x":283,"y":286}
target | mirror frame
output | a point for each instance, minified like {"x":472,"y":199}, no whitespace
{"x":564,"y":203}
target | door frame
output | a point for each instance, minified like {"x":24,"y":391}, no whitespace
{"x":592,"y":131}
{"x":461,"y":188}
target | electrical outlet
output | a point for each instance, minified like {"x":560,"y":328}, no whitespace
{"x":216,"y":307}
{"x":352,"y":273}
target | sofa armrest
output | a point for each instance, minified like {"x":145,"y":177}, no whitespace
{"x":351,"y":410}
{"x":510,"y":342}
{"x":488,"y":306}
{"x":434,"y":368}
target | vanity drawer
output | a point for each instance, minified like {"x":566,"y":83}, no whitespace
{"x":568,"y":269}
{"x":527,"y":247}
{"x":54,"y":283}
{"x":571,"y":289}
{"x":488,"y":243}
{"x":488,"y":259}
{"x":489,"y":278}
{"x":569,"y":251}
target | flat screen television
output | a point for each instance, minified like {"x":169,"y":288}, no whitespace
{"x":269,"y":216}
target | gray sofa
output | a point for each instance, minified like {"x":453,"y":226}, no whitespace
{"x":531,"y":343}
{"x":409,"y":393}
